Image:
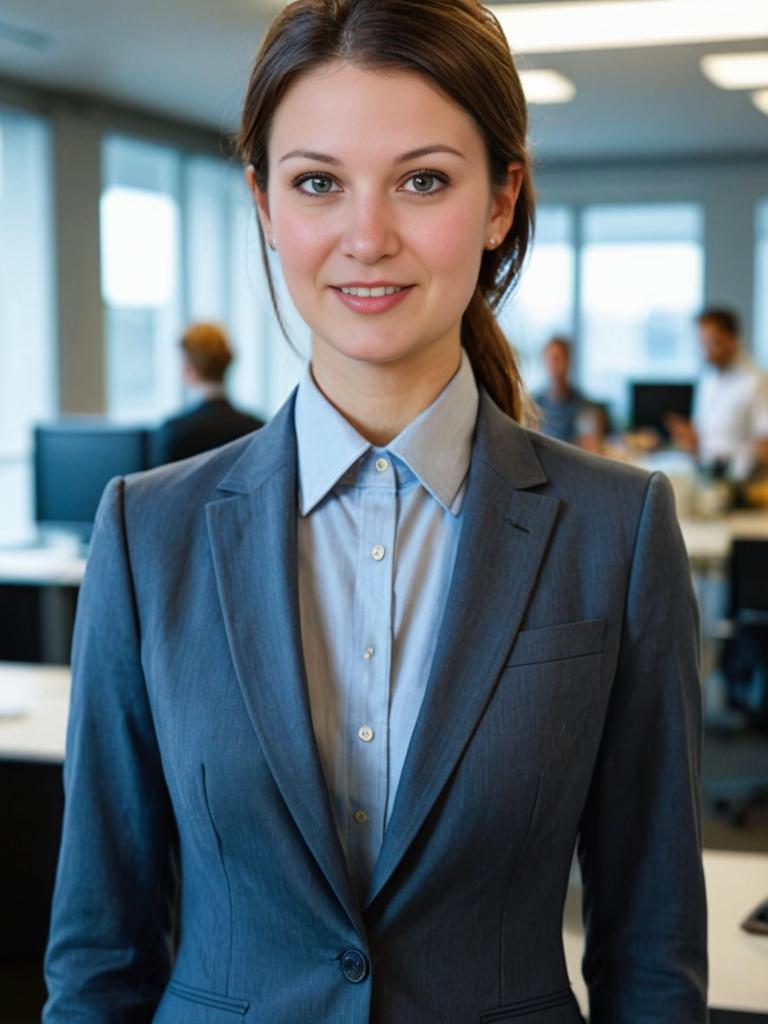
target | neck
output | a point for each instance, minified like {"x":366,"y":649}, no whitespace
{"x":381,"y":399}
{"x":204,"y":390}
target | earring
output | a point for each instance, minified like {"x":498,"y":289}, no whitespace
{"x":272,"y":244}
{"x":492,"y":243}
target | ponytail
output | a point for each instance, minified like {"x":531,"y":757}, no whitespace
{"x":493,"y":361}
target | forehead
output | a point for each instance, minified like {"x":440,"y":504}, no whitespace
{"x":352,"y":112}
{"x":711,"y":331}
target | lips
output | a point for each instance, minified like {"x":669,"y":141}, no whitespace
{"x":372,"y":293}
{"x":372,"y":296}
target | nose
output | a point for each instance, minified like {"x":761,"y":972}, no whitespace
{"x":370,"y":232}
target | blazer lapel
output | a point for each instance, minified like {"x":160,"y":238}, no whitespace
{"x":504,"y":537}
{"x":253,"y":539}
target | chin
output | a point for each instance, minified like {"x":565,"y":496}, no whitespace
{"x":375,"y":346}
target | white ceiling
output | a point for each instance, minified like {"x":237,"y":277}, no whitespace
{"x":189,"y":59}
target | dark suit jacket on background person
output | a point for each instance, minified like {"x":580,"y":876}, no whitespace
{"x":563,"y":707}
{"x":210,"y":424}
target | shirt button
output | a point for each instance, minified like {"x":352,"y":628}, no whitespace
{"x":365,"y":732}
{"x":382,"y":465}
{"x":361,"y":817}
{"x":377,"y":552}
{"x":368,"y":653}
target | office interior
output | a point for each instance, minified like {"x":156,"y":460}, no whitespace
{"x":124,"y":217}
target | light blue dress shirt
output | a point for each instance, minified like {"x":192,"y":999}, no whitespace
{"x":378,"y":535}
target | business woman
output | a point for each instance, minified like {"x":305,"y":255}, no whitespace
{"x":348,"y":693}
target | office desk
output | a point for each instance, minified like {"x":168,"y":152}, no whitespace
{"x":708,"y":541}
{"x":41,"y":566}
{"x":738,"y":961}
{"x":38,"y":595}
{"x":34,"y":702}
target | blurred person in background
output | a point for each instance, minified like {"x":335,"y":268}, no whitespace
{"x":212,"y":420}
{"x":729,"y":426}
{"x":566,"y":413}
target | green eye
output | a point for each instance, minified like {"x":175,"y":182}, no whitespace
{"x":316,"y":185}
{"x":423,"y":182}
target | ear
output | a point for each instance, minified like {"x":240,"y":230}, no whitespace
{"x":260,"y":198}
{"x":503,"y":202}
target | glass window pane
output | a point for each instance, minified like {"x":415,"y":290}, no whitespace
{"x":543,"y":303}
{"x":26,"y":307}
{"x":641,"y":286}
{"x":227,"y":283}
{"x":141,"y":276}
{"x":180,"y":244}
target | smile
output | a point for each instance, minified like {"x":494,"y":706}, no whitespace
{"x":375,"y":298}
{"x":372,"y":293}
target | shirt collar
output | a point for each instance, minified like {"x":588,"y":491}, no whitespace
{"x":436,"y":445}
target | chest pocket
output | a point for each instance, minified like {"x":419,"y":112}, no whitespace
{"x":558,"y":643}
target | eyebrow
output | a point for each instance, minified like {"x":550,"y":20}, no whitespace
{"x":413,"y":154}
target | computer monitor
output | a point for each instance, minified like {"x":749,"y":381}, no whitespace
{"x":652,"y":401}
{"x":74,"y":460}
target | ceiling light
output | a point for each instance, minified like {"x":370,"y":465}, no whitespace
{"x":736,"y":70}
{"x":623,"y":24}
{"x":760,"y":99}
{"x":542,"y":86}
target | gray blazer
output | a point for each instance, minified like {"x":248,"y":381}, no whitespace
{"x":563,"y":707}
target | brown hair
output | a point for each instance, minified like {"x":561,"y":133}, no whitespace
{"x":724,"y":319}
{"x":458,"y":44}
{"x":206,"y":348}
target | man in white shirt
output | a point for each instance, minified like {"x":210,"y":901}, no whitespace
{"x":730,"y":414}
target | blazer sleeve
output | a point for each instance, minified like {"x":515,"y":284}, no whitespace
{"x":644,"y":905}
{"x":110,"y":941}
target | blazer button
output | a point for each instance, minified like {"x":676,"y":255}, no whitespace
{"x":354,"y":966}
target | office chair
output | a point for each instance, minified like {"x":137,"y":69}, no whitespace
{"x":744,"y":665}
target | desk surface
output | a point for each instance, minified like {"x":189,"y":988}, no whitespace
{"x":34,"y":702}
{"x":738,"y":961}
{"x":43,"y":566}
{"x":710,"y":539}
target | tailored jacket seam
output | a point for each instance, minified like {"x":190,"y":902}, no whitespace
{"x":510,"y":881}
{"x":609,"y":953}
{"x":159,"y":887}
{"x":220,"y":851}
{"x":635,"y":542}
{"x":627,"y":588}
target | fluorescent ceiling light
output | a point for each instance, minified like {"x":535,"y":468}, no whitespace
{"x":760,"y":99}
{"x":622,"y":24}
{"x":736,"y":70}
{"x":543,"y":86}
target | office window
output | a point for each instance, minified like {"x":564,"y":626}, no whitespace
{"x":140,"y":275}
{"x":26,"y":308}
{"x":227,"y":284}
{"x":543,"y":304}
{"x":761,"y":286}
{"x":179,"y":243}
{"x":642,"y":269}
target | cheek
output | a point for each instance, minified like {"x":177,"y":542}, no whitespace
{"x":303,"y":244}
{"x":451,"y":247}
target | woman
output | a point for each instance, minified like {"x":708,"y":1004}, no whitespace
{"x":355,"y":687}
